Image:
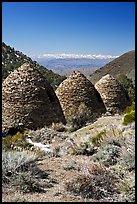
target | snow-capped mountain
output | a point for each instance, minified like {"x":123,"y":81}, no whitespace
{"x":60,"y":62}
{"x":76,"y":56}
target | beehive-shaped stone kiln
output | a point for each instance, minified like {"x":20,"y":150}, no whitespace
{"x":29,"y":100}
{"x":113,"y":94}
{"x":77,"y":90}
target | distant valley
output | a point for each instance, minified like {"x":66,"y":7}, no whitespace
{"x":64,"y":64}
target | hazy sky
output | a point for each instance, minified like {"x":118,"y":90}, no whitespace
{"x":69,"y":27}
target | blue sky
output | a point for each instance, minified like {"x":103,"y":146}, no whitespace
{"x":69,"y":27}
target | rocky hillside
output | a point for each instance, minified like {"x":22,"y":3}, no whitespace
{"x":125,"y":65}
{"x":12,"y":59}
{"x":93,"y":164}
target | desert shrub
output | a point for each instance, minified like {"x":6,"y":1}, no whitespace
{"x":44,"y":135}
{"x":127,"y":189}
{"x":126,"y":184}
{"x":84,"y":148}
{"x":26,"y":182}
{"x":19,"y":169}
{"x":20,"y":200}
{"x":130,"y":108}
{"x":81,"y":185}
{"x":70,"y":165}
{"x":128,"y":160}
{"x":17,"y":140}
{"x":129,"y":118}
{"x":13,"y":160}
{"x":108,"y":154}
{"x":96,"y":140}
{"x":97,"y":183}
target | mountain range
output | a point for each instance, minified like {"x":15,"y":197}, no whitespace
{"x":125,"y":64}
{"x":64,"y":64}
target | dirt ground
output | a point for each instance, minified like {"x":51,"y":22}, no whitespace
{"x":59,"y":172}
{"x":55,"y":168}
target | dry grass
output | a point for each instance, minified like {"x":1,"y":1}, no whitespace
{"x":92,"y":181}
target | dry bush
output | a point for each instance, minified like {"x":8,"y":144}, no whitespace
{"x":27,"y":182}
{"x":13,"y":160}
{"x":80,"y":185}
{"x":108,"y":155}
{"x":19,"y":169}
{"x":92,"y":181}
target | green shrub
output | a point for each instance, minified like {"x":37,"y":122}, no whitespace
{"x":96,"y":140}
{"x":18,"y":140}
{"x":129,"y":118}
{"x":129,"y":108}
{"x":70,"y":165}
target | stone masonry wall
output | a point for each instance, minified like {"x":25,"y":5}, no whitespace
{"x":113,"y":94}
{"x":77,"y":90}
{"x":29,"y":100}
